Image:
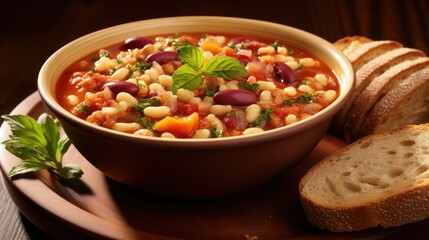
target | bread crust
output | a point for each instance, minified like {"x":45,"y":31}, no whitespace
{"x":358,"y":58}
{"x":350,"y":43}
{"x":370,"y":50}
{"x":409,"y":204}
{"x":364,"y":77}
{"x":390,"y":111}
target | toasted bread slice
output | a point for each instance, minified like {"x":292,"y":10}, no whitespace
{"x":370,"y":50}
{"x":379,"y":180}
{"x":365,"y":53}
{"x":406,"y":103}
{"x":365,"y":77}
{"x":349,"y":44}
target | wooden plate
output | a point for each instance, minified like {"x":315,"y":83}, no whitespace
{"x":97,"y":207}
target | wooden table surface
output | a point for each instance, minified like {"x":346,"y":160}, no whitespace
{"x":30,"y":31}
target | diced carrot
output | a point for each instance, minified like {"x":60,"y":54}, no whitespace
{"x":212,"y":47}
{"x":229,"y":52}
{"x":182,"y":127}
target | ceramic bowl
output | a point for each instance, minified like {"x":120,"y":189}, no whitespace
{"x":195,"y":168}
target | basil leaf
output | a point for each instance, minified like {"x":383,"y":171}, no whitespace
{"x":191,"y":55}
{"x":38,"y":145}
{"x":50,"y":133}
{"x":25,"y":128}
{"x":224,"y":67}
{"x":70,"y":171}
{"x":26,"y":167}
{"x":186,"y":77}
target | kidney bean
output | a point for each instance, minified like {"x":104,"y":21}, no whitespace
{"x":236,"y":97}
{"x":284,"y":73}
{"x":241,"y":39}
{"x":136,"y":42}
{"x":163,"y":57}
{"x":120,"y":86}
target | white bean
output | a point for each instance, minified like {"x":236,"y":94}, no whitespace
{"x":165,"y":80}
{"x":322,"y":79}
{"x":72,"y":100}
{"x":126,"y":127}
{"x":220,"y":110}
{"x":157,"y":112}
{"x":307,"y":62}
{"x":306,"y":89}
{"x":167,"y":135}
{"x":215,"y":121}
{"x":265,"y":96}
{"x":264,"y":85}
{"x":266,"y":50}
{"x":120,"y":74}
{"x":124,"y":96}
{"x":184,"y":94}
{"x":252,"y":112}
{"x":289,"y":119}
{"x":330,"y":95}
{"x":156,"y":87}
{"x":201,"y":133}
{"x":290,"y":91}
{"x":109,"y":110}
{"x":252,"y":130}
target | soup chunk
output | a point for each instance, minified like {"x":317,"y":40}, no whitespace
{"x":192,"y":85}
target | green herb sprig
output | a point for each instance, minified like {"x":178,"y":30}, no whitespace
{"x":304,"y":98}
{"x":39,"y":145}
{"x":190,"y":74}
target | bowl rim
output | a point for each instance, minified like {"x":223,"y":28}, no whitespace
{"x":338,"y":57}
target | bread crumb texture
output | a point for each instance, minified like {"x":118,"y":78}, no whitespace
{"x":378,"y":180}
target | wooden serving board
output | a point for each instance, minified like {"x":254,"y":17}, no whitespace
{"x":100,"y":208}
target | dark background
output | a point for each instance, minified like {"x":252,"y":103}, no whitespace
{"x":30,"y":31}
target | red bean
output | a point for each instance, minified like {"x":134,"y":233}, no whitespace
{"x":162,"y":57}
{"x":284,"y":73}
{"x":136,"y":42}
{"x":236,"y":97}
{"x":120,"y":86}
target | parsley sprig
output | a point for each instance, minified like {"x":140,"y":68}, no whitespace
{"x":190,"y":74}
{"x":39,"y":145}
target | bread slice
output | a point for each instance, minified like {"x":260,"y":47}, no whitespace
{"x":364,"y":77}
{"x":349,"y":44}
{"x":379,"y":180}
{"x":359,"y":57}
{"x":369,"y":51}
{"x":407,"y":103}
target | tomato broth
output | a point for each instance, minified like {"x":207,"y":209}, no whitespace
{"x":195,"y":85}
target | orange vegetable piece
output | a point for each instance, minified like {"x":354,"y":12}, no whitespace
{"x":212,"y":47}
{"x":182,"y":127}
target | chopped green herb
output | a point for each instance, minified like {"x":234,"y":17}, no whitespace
{"x":210,"y":92}
{"x":147,"y":123}
{"x":290,"y":52}
{"x":39,"y":145}
{"x":306,"y":81}
{"x":276,"y":45}
{"x":215,"y":133}
{"x":130,"y":71}
{"x":105,"y":54}
{"x":304,"y":98}
{"x":247,"y":86}
{"x":190,"y":74}
{"x":142,"y":66}
{"x":85,"y":109}
{"x":263,"y":117}
{"x":144,"y":103}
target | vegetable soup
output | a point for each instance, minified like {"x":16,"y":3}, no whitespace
{"x":193,"y":85}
